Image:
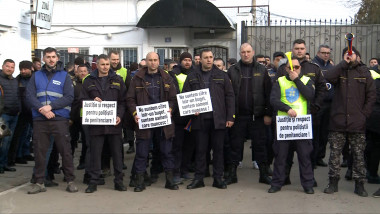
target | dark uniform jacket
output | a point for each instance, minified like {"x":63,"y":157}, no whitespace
{"x":176,"y":71}
{"x":307,"y":92}
{"x":26,"y":111}
{"x":314,"y":72}
{"x":261,"y":83}
{"x":222,"y":96}
{"x":138,"y":95}
{"x":114,"y":91}
{"x":77,"y":103}
{"x":353,"y":99}
{"x":373,"y":122}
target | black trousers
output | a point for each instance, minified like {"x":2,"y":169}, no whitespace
{"x":59,"y":129}
{"x":143,"y":147}
{"x":96,"y":145}
{"x":257,"y":132}
{"x":181,"y":138}
{"x":372,"y":152}
{"x":205,"y":137}
{"x":303,"y":148}
{"x":324,"y":130}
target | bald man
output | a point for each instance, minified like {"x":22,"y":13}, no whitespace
{"x":152,"y":85}
{"x":252,"y":85}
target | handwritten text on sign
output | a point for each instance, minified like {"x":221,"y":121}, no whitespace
{"x":154,"y":115}
{"x":99,"y":113}
{"x":192,"y":102}
{"x":294,"y":128}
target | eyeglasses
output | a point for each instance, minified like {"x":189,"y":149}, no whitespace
{"x":325,"y":53}
{"x":296,"y":67}
{"x":261,"y":62}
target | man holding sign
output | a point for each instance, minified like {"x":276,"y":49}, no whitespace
{"x":104,"y":84}
{"x":291,"y":96}
{"x":152,"y":85}
{"x":211,"y":125}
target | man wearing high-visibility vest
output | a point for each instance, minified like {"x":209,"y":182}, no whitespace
{"x":128,"y":136}
{"x":183,"y":142}
{"x":291,"y":95}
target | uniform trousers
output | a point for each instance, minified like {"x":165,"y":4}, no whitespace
{"x":304,"y":149}
{"x":257,"y":133}
{"x":114,"y":141}
{"x":205,"y":137}
{"x":142,"y":151}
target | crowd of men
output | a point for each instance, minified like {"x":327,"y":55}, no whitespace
{"x":44,"y":103}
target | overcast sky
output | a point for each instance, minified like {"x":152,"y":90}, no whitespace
{"x":310,"y":9}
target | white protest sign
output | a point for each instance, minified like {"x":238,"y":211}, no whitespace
{"x":192,"y":102}
{"x":154,"y":115}
{"x":99,"y":113}
{"x":294,"y":128}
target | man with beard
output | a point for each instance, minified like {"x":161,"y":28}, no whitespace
{"x":183,"y":143}
{"x":50,"y":93}
{"x":355,"y":93}
{"x":23,"y":131}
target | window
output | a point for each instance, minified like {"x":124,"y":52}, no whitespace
{"x":169,"y":53}
{"x":127,"y":55}
{"x":66,"y":57}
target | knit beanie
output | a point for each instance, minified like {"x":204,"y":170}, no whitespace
{"x":185,"y":55}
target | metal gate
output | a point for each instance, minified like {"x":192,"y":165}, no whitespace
{"x":267,"y":38}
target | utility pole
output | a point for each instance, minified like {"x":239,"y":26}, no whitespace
{"x":253,"y":11}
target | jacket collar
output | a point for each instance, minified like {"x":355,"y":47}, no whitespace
{"x":95,"y":73}
{"x":141,"y":74}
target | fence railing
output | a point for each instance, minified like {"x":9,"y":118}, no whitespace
{"x":268,"y":37}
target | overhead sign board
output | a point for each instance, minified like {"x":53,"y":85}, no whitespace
{"x":44,"y":14}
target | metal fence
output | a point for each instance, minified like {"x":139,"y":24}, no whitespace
{"x":278,"y":35}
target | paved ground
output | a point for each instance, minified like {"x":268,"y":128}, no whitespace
{"x":248,"y":196}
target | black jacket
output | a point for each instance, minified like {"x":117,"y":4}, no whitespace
{"x":373,"y":122}
{"x":261,"y":83}
{"x":313,"y":71}
{"x":26,"y":111}
{"x":222,"y":97}
{"x":307,"y":92}
{"x":77,"y":103}
{"x":114,"y":91}
{"x":12,"y":105}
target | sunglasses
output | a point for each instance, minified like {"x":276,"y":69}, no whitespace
{"x":296,"y":67}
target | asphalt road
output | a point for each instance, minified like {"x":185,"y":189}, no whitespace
{"x":247,"y":196}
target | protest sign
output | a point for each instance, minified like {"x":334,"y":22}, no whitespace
{"x":192,"y":102}
{"x":294,"y":128}
{"x":154,"y":115}
{"x":99,"y":113}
